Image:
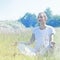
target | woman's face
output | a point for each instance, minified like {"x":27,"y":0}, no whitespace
{"x":42,"y":18}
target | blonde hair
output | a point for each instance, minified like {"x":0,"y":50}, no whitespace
{"x":43,"y":14}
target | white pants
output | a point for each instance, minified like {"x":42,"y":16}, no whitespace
{"x":27,"y":50}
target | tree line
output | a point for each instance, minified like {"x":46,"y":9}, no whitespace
{"x":30,"y":20}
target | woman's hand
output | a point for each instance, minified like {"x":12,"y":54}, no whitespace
{"x":52,"y":45}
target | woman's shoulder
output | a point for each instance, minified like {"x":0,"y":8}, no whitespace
{"x":50,"y":27}
{"x":35,"y":29}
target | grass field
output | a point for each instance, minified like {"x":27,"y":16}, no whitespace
{"x":9,"y":52}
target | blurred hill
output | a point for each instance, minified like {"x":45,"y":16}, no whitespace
{"x":11,"y":27}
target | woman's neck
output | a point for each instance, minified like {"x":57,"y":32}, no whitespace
{"x":42,"y":26}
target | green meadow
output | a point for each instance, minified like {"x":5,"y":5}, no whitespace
{"x":10,"y":52}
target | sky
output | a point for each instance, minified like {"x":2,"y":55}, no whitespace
{"x":15,"y":9}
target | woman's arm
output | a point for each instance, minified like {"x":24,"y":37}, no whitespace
{"x":32,"y":39}
{"x":52,"y":43}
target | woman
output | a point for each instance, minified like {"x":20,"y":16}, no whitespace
{"x":42,"y":35}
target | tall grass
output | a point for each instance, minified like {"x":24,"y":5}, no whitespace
{"x":9,"y":52}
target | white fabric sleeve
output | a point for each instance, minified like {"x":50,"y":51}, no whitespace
{"x":52,"y":31}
